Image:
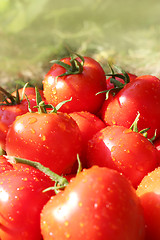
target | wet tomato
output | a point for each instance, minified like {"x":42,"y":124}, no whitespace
{"x":122,"y":149}
{"x":82,"y":79}
{"x":99,"y":203}
{"x":52,"y":139}
{"x":141,"y":95}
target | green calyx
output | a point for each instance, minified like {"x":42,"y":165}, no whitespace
{"x":117,"y":84}
{"x":7,"y":99}
{"x":121,"y":74}
{"x":42,"y":107}
{"x":134,"y":128}
{"x":75,"y":66}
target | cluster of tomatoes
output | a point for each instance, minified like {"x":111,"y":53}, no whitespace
{"x":80,"y":158}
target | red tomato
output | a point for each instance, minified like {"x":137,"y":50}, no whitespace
{"x":98,"y":204}
{"x":124,"y":150}
{"x":149,"y":193}
{"x":21,"y":201}
{"x":141,"y":95}
{"x":89,"y":124}
{"x":53,"y":139}
{"x":82,"y":87}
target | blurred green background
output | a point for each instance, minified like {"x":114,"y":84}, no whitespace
{"x":33,"y":32}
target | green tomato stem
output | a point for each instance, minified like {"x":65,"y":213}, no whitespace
{"x":9,"y":96}
{"x":55,"y":177}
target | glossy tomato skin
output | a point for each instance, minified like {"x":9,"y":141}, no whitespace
{"x":149,"y":193}
{"x":81,"y":87}
{"x":122,"y":149}
{"x":7,"y":116}
{"x":141,"y":95}
{"x":21,"y":201}
{"x":89,"y":124}
{"x":98,"y":204}
{"x":53,"y":139}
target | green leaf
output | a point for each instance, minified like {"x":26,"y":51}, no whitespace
{"x":59,"y":105}
{"x":134,"y":126}
{"x":65,"y":65}
{"x":38,"y":96}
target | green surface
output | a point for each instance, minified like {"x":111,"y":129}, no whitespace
{"x":33,"y":32}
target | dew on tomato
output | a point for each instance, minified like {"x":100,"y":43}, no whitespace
{"x":52,"y":139}
{"x":93,"y":209}
{"x":122,"y":149}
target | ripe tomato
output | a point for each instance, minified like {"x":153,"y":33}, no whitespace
{"x":149,"y":193}
{"x":122,"y":149}
{"x":98,"y":204}
{"x":21,"y":201}
{"x":82,"y":87}
{"x":89,"y":124}
{"x":141,"y":95}
{"x":53,"y":139}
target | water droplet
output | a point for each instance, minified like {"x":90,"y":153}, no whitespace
{"x":67,"y":235}
{"x":66,"y":223}
{"x":32,"y":120}
{"x":24,"y":179}
{"x":113,"y":122}
{"x":81,"y":224}
{"x":33,"y":131}
{"x":43,"y":138}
